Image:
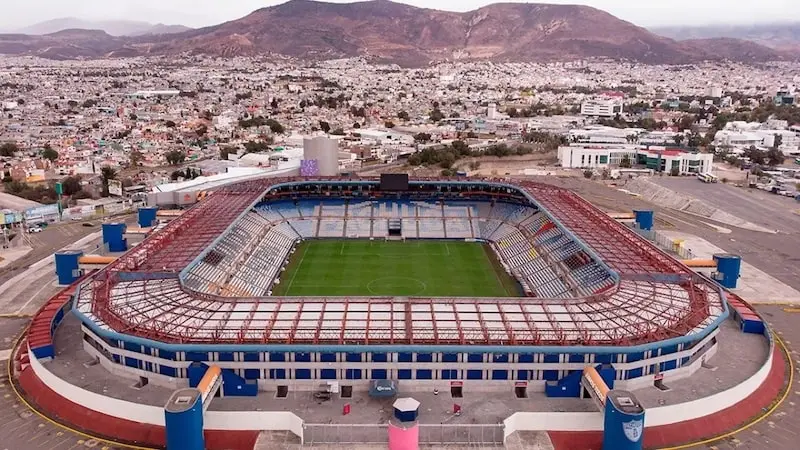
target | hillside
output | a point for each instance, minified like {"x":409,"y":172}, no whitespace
{"x":412,"y":36}
{"x":112,"y":27}
{"x":781,"y":36}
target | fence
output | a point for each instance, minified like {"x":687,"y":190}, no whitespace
{"x":666,"y":243}
{"x":461,"y":434}
{"x":323,"y":433}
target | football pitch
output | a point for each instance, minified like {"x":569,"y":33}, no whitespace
{"x":394,"y":268}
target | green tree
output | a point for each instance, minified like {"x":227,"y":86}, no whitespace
{"x":778,"y":140}
{"x":402,"y":115}
{"x":175,"y":157}
{"x":225,"y":151}
{"x":422,"y":138}
{"x":755,"y":155}
{"x":625,"y":163}
{"x":678,"y":138}
{"x":275,"y":126}
{"x":774,"y":157}
{"x":107,"y":173}
{"x":135,"y":158}
{"x":49,"y":153}
{"x":588,"y":173}
{"x":324,"y":126}
{"x":170,"y":124}
{"x":8,"y":149}
{"x":460,"y":147}
{"x":71,"y":185}
{"x":436,"y":115}
{"x":388,"y":124}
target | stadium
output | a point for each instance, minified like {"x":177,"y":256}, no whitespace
{"x":500,"y":286}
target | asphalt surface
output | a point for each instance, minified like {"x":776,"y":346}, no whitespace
{"x":52,"y":239}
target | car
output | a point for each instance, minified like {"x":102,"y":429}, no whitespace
{"x":87,"y":224}
{"x":34,"y":230}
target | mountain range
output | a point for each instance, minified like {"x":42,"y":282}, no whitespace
{"x":404,"y":34}
{"x":112,"y":27}
{"x":781,"y":36}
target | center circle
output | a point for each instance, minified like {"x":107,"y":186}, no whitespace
{"x":396,"y":286}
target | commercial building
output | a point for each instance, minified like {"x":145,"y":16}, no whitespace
{"x":601,"y":107}
{"x":657,"y":158}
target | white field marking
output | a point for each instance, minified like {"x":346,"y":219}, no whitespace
{"x":297,"y":269}
{"x":422,"y":283}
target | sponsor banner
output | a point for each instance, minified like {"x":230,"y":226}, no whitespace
{"x":41,"y":211}
{"x":115,"y":187}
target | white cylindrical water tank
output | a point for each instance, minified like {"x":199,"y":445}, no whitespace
{"x":326,"y":151}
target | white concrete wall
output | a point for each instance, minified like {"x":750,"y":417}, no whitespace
{"x":154,"y":415}
{"x":664,"y":415}
{"x":702,"y":407}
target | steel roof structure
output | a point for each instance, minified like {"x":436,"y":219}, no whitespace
{"x":656,"y":298}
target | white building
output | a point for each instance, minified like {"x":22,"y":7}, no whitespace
{"x":148,"y":94}
{"x":714,"y":91}
{"x":587,"y":156}
{"x":326,"y":151}
{"x":607,"y":107}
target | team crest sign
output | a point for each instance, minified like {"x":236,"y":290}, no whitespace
{"x":633,"y":430}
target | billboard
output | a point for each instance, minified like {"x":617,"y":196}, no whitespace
{"x":309,"y":168}
{"x":394,"y":182}
{"x":40,"y":212}
{"x":115,"y":187}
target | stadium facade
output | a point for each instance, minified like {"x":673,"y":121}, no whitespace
{"x":592,"y":292}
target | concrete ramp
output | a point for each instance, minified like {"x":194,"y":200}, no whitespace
{"x":668,"y":198}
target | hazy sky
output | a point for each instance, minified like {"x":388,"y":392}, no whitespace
{"x":196,"y":13}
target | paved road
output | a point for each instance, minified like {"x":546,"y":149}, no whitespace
{"x":54,"y":238}
{"x":51,"y":239}
{"x":772,"y":211}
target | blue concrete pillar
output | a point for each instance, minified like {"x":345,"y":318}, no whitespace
{"x":728,"y":267}
{"x":67,"y":266}
{"x":623,"y":426}
{"x":114,"y":237}
{"x":183,"y":416}
{"x":147,"y":217}
{"x":644,"y":219}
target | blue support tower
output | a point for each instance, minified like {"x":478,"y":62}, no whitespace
{"x":644,"y":219}
{"x":114,"y":237}
{"x":147,"y":217}
{"x":728,"y":267}
{"x":67,"y":266}
{"x":183,"y":416}
{"x":623,"y":426}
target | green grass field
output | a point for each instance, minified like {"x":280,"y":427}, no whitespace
{"x":379,"y":268}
